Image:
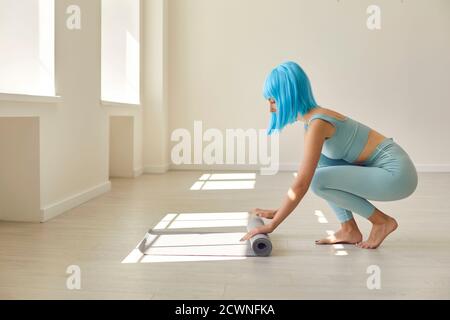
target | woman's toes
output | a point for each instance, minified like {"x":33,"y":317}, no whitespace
{"x":329,"y":240}
{"x":366,"y":245}
{"x":322,"y":241}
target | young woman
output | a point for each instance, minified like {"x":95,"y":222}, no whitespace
{"x":345,"y":162}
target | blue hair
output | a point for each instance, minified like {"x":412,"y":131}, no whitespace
{"x":289,"y":86}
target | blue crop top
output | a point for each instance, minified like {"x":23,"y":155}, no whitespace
{"x":348,"y":141}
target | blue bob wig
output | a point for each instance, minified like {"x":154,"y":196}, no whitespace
{"x":289,"y":86}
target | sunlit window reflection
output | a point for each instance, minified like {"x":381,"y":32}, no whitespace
{"x":188,"y":237}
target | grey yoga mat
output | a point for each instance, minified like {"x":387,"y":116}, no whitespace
{"x":261,"y":244}
{"x":213,"y":241}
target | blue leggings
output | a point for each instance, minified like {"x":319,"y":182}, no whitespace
{"x":387,"y":175}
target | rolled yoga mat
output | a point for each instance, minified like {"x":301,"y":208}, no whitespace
{"x":215,"y":241}
{"x":260,"y":244}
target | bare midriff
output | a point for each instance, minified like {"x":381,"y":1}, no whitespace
{"x":374,"y":140}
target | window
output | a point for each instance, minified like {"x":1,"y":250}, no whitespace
{"x":27,"y":47}
{"x":120,"y":51}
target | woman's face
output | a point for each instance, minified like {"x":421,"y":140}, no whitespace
{"x":273,"y":106}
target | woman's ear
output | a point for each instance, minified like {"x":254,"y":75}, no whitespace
{"x":273,"y":106}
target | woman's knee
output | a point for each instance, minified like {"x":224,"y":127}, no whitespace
{"x":406,"y":184}
{"x":409,"y":185}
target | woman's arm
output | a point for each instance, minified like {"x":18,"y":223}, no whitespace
{"x":314,"y":140}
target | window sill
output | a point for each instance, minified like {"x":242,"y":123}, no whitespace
{"x":107,"y":103}
{"x":12,"y":97}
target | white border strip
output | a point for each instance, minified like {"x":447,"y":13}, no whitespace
{"x":71,"y":202}
{"x":428,"y":168}
{"x":156,"y":169}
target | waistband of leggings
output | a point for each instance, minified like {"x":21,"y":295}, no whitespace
{"x":383,"y":145}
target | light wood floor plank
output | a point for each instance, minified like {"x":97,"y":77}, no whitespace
{"x":99,"y":235}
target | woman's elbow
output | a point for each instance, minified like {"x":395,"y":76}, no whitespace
{"x":303,"y":182}
{"x":298,"y":190}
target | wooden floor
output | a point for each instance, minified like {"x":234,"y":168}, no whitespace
{"x":414,"y":262}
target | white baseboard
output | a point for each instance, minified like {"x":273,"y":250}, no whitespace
{"x":156,"y":169}
{"x":286,"y":167}
{"x":239,"y":167}
{"x":438,"y":168}
{"x":138,"y":172}
{"x":71,"y":202}
{"x":215,"y":167}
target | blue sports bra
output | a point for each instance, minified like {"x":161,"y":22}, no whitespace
{"x":348,"y":141}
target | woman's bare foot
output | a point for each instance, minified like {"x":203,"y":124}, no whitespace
{"x":342,"y":237}
{"x":268,"y":214}
{"x":349,"y":234}
{"x":379,"y":232}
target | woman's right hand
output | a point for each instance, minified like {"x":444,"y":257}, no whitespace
{"x":268,"y":214}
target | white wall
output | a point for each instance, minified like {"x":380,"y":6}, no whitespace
{"x":135,"y":112}
{"x":207,"y":60}
{"x":19,"y":170}
{"x":121,"y":147}
{"x":74,"y":133}
{"x":155,"y":86}
{"x":395,"y":80}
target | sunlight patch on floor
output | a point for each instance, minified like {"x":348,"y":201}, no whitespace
{"x":185,"y":237}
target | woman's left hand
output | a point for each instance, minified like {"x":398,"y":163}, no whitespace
{"x":266,"y":229}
